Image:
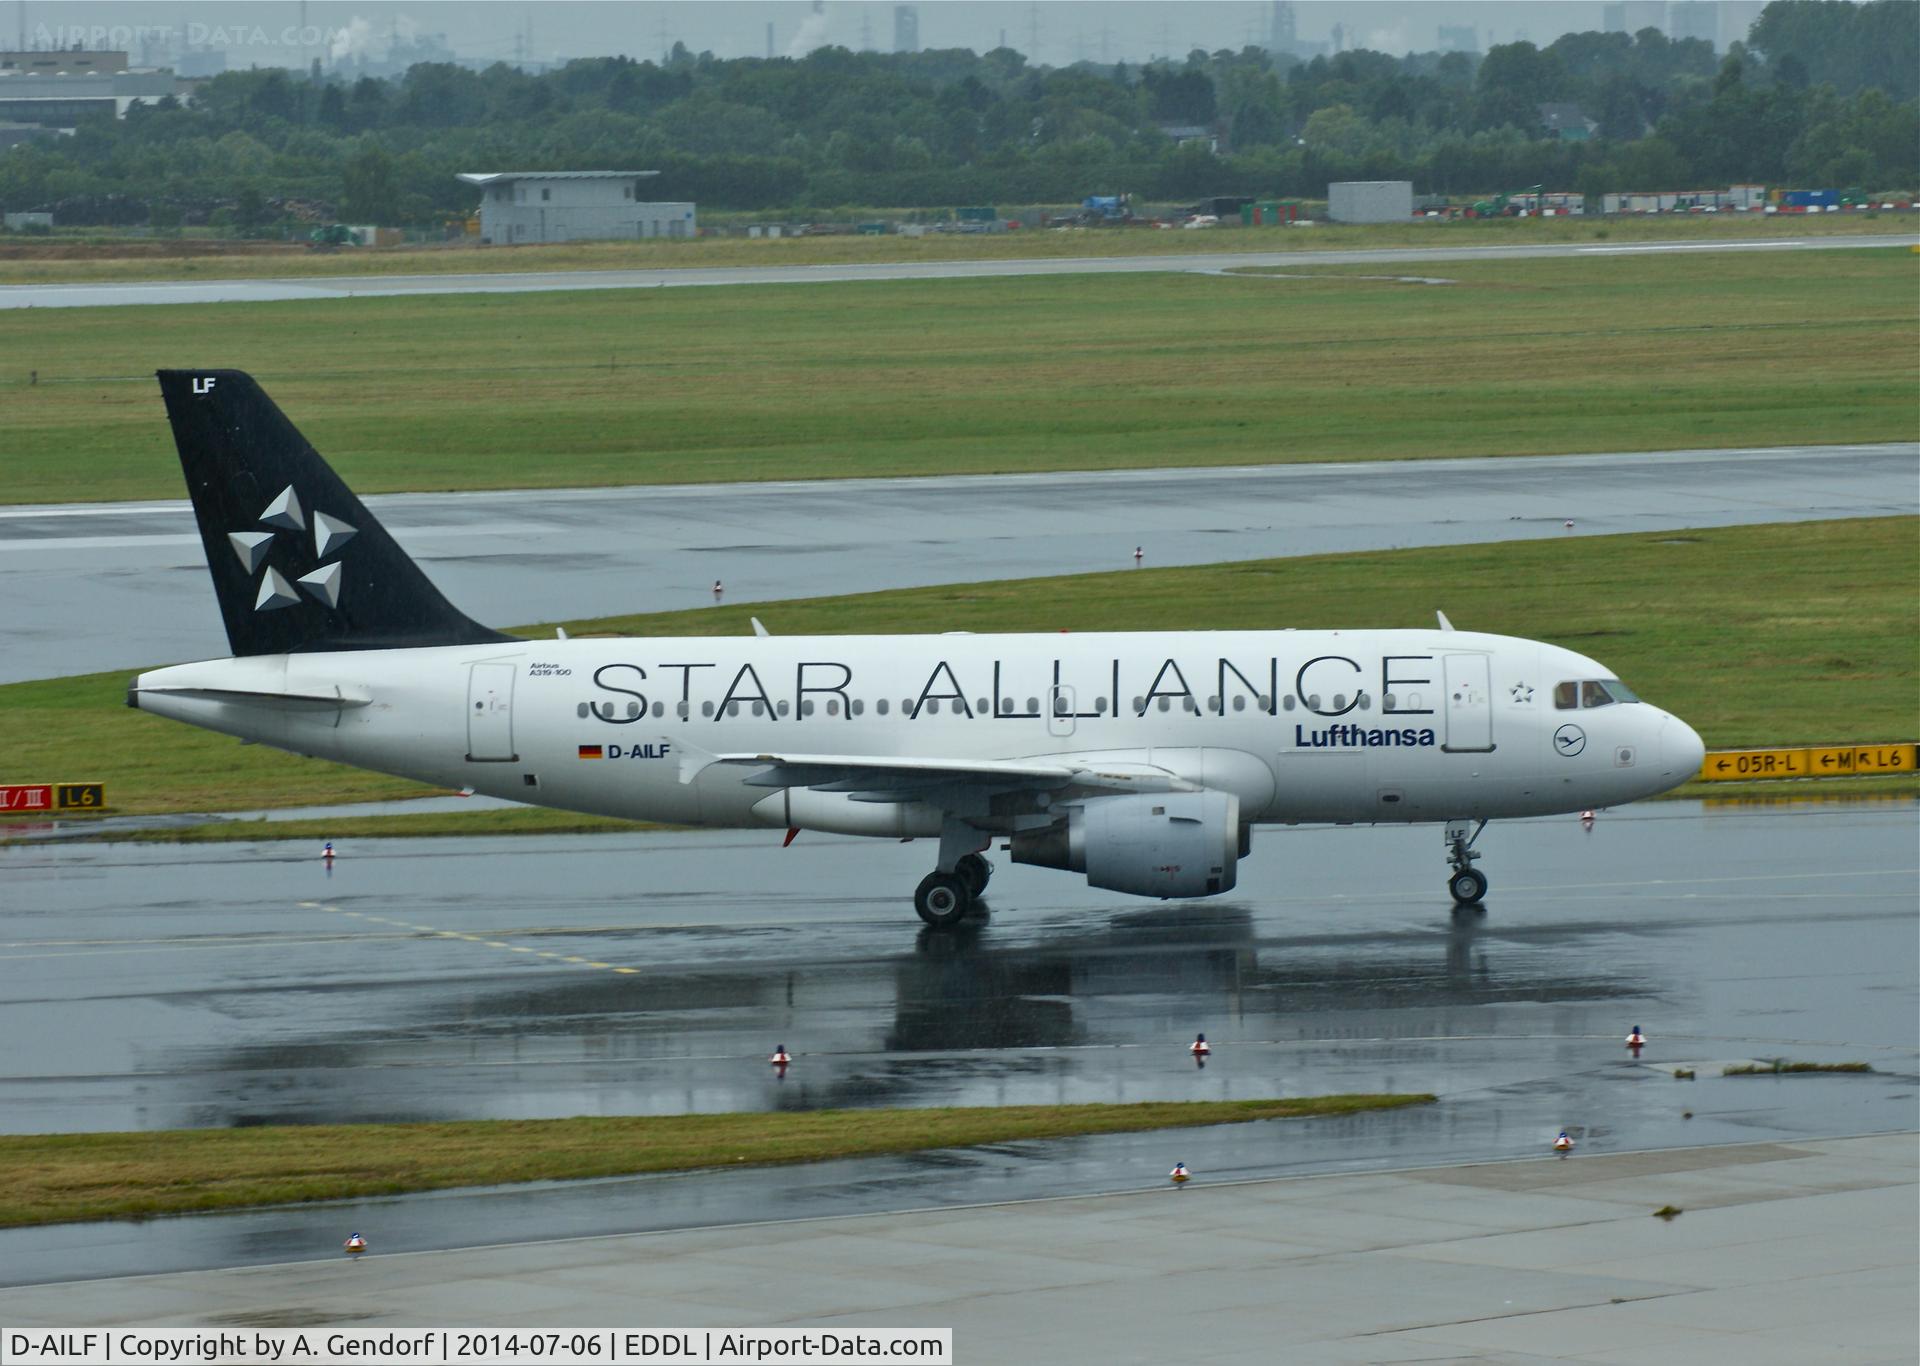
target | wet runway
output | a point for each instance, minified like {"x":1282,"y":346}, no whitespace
{"x":135,"y":574}
{"x":160,"y":987}
{"x":372,"y":286}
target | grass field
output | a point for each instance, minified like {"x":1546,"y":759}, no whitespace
{"x":56,"y":260}
{"x":60,"y":1178}
{"x":984,"y":376}
{"x":1750,"y":633}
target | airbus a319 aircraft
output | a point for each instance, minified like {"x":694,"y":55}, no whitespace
{"x":1142,"y":760}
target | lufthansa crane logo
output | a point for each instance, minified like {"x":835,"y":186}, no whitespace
{"x":1569,"y":740}
{"x":285,"y":514}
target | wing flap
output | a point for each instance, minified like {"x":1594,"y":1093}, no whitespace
{"x":839,"y":772}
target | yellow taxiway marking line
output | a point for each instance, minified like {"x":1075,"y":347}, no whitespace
{"x":94,"y":947}
{"x":469,"y":938}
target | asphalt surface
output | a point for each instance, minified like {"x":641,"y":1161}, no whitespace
{"x":374,"y":286}
{"x":151,"y":987}
{"x":135,"y":575}
{"x":1784,"y":1254}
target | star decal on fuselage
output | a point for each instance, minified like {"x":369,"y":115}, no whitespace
{"x":285,"y":513}
{"x":1521,"y":692}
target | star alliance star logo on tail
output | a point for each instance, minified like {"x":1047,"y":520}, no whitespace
{"x":285,"y":514}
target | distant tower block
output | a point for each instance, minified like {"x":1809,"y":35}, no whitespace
{"x":906,"y":28}
{"x":1280,"y":30}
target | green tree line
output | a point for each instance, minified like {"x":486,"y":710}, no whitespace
{"x":1823,"y":94}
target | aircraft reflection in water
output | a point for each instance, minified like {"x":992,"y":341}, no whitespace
{"x":1141,"y":760}
{"x":962,"y":1017}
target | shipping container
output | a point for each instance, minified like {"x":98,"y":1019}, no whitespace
{"x":1370,"y":201}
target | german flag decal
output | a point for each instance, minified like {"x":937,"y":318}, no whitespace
{"x":592,"y":752}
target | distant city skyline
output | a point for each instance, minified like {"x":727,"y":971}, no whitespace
{"x":1051,"y":32}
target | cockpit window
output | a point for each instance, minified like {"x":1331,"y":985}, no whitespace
{"x":1591,"y":692}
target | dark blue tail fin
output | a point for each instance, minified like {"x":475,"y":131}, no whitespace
{"x":298,"y":562}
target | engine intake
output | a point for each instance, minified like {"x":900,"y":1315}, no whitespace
{"x":1149,"y":844}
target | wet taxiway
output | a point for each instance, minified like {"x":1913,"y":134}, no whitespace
{"x":135,"y":573}
{"x":373,"y":286}
{"x":162,"y":987}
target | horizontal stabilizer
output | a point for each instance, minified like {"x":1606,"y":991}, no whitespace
{"x":331,"y":698}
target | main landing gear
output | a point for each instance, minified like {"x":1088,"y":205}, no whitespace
{"x":1467,"y":883}
{"x":947,"y":893}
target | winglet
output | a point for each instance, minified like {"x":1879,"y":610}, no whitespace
{"x":758,"y":629}
{"x":1445,"y":625}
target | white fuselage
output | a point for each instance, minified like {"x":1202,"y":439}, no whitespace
{"x":1301,"y":726}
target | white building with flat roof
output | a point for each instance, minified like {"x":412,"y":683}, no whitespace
{"x":62,"y":100}
{"x":573,"y":206}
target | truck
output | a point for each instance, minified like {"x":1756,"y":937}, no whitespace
{"x":1508,"y":204}
{"x":1105,"y":211}
{"x":332,"y":237}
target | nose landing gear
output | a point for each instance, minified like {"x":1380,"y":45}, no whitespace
{"x":1467,"y":884}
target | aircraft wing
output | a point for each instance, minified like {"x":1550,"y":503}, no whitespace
{"x":885,"y":778}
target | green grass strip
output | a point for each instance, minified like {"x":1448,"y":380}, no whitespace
{"x":1781,"y":1067}
{"x":1752,"y":634}
{"x":989,"y":376}
{"x":61,"y":1178}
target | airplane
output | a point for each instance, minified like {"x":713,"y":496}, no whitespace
{"x":1141,"y":760}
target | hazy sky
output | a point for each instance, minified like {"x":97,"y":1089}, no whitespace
{"x":268,"y":32}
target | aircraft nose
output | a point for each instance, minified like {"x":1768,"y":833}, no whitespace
{"x":1681,"y":748}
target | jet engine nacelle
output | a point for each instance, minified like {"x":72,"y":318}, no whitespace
{"x":1162,"y":844}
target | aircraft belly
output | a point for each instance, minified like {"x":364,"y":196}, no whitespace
{"x":1333,"y":786}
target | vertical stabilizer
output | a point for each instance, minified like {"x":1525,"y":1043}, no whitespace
{"x":298,"y":562}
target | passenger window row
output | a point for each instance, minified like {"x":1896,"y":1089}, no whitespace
{"x":632,"y":711}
